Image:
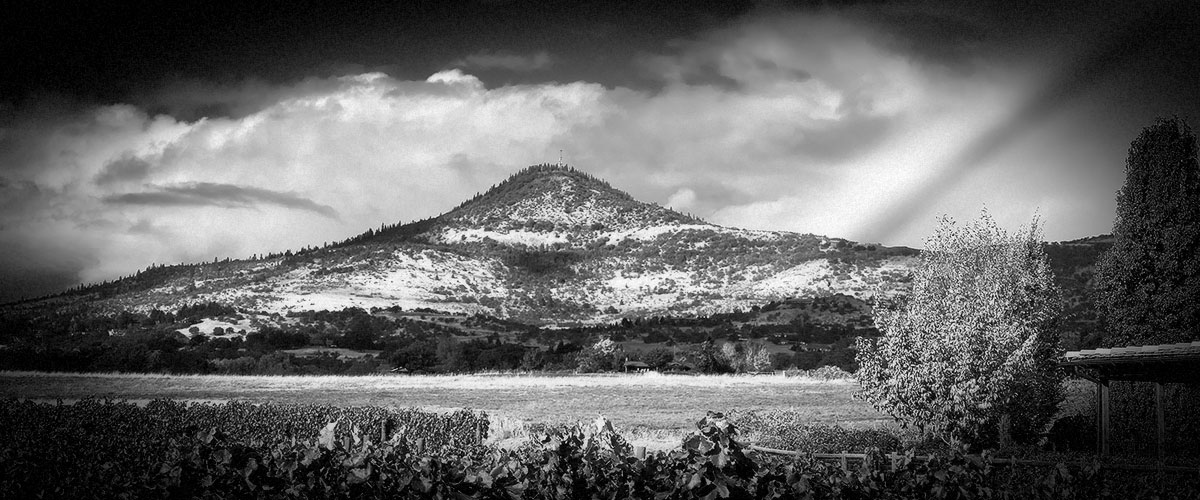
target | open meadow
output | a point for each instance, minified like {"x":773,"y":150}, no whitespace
{"x":654,"y":403}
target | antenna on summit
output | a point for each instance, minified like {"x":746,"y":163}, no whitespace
{"x":560,"y":163}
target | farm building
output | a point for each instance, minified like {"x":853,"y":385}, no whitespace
{"x":636,"y":366}
{"x":1157,"y":364}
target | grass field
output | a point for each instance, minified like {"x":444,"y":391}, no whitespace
{"x":644,"y":402}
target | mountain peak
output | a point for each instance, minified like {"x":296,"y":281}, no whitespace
{"x":559,"y":197}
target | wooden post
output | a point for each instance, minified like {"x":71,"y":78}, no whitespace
{"x":1005,"y":430}
{"x":1104,"y":429}
{"x":1099,"y":420}
{"x":478,"y":434}
{"x":1162,"y":422}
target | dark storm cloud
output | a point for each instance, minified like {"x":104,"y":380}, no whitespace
{"x":703,"y":197}
{"x":504,"y":60}
{"x":30,"y":269}
{"x":17,"y":283}
{"x":26,"y":126}
{"x":128,"y":168}
{"x":791,"y":74}
{"x":843,"y":140}
{"x":193,"y":99}
{"x":695,"y":63}
{"x":220,"y":195}
{"x":707,"y":75}
{"x":949,"y":39}
{"x":17,"y":200}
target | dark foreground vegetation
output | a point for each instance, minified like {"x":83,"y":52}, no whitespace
{"x":171,"y":450}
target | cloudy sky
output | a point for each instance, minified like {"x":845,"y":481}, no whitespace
{"x":167,"y":132}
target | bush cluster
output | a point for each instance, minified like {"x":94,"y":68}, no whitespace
{"x":971,"y":354}
{"x":826,"y":372}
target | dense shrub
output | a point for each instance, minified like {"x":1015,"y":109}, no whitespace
{"x":1073,"y":433}
{"x":971,"y":354}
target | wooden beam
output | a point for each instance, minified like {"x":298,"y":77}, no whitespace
{"x":1162,"y":421}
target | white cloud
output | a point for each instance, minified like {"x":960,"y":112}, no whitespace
{"x":682,"y":200}
{"x":806,"y":123}
{"x":371,"y":150}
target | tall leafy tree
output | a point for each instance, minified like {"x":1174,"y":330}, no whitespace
{"x":1148,"y":284}
{"x":974,"y":347}
{"x":604,"y":355}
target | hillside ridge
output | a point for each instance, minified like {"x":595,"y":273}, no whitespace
{"x":549,"y":244}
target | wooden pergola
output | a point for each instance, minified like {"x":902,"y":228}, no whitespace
{"x":1159,"y":364}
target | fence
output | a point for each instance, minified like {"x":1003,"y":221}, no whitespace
{"x":895,"y":458}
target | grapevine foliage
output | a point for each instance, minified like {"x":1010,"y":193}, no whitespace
{"x":117,"y":450}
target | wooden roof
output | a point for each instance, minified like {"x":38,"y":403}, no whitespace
{"x":1178,"y":363}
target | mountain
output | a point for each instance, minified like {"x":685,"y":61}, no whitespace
{"x":546,"y":197}
{"x":549,"y":245}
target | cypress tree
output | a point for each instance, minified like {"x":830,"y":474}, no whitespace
{"x":1148,"y":283}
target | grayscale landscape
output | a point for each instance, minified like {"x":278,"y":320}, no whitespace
{"x":507,"y":249}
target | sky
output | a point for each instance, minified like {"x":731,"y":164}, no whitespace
{"x":138,"y":133}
